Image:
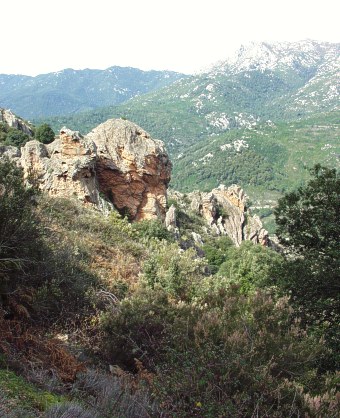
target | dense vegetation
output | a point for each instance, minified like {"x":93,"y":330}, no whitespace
{"x":100,"y":317}
{"x":70,"y":91}
{"x":17,"y":138}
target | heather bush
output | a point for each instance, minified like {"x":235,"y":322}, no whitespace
{"x":223,"y":354}
{"x":152,"y":229}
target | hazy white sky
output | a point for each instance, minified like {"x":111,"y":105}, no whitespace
{"x":40,"y":36}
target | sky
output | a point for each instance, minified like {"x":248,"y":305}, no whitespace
{"x":41,"y":36}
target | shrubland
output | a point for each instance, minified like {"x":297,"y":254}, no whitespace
{"x":103,"y":318}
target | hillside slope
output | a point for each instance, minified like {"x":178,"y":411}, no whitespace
{"x":282,"y":81}
{"x":70,"y":91}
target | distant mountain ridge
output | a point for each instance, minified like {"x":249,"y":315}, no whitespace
{"x":70,"y":91}
{"x":262,"y":81}
{"x":258,"y":119}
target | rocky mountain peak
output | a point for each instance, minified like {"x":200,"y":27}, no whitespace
{"x":261,"y":56}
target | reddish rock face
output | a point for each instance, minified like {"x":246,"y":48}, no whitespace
{"x":118,"y":159}
{"x":133,"y":170}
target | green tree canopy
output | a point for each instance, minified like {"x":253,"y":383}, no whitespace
{"x":309,"y":219}
{"x":44,"y":133}
{"x":15,"y":137}
{"x":309,"y":227}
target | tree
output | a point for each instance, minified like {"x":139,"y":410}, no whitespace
{"x":16,"y":137}
{"x":309,"y":227}
{"x":18,"y":229}
{"x":308,"y":219}
{"x":44,"y":133}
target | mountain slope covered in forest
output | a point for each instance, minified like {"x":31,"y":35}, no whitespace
{"x":71,"y":91}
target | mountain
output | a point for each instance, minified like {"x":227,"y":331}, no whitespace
{"x":261,"y":81}
{"x":70,"y":91}
{"x":258,"y":118}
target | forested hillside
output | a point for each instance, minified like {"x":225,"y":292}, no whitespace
{"x":70,"y":91}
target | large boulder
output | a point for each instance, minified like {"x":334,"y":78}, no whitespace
{"x":64,"y":168}
{"x":133,"y":170}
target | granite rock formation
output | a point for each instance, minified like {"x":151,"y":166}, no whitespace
{"x":13,"y":121}
{"x":117,"y":161}
{"x":225,"y":211}
{"x":133,"y":170}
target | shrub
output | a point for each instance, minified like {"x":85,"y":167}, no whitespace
{"x":174,"y":270}
{"x":152,"y":229}
{"x":250,"y":266}
{"x":216,"y":250}
{"x":227,"y":355}
{"x":44,"y":133}
{"x":19,"y":233}
{"x":16,"y":137}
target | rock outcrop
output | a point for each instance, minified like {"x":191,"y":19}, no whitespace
{"x":225,"y":212}
{"x":117,"y":160}
{"x":13,"y":121}
{"x":64,"y":168}
{"x":133,"y":170}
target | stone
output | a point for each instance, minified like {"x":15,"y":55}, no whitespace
{"x":133,"y":170}
{"x":225,"y":212}
{"x":13,"y":121}
{"x":170,"y":218}
{"x":64,"y":168}
{"x":117,"y":160}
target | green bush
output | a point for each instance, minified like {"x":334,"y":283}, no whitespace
{"x":174,"y":270}
{"x":152,"y":229}
{"x":44,"y":133}
{"x":228,"y":355}
{"x":216,"y":250}
{"x":15,"y":137}
{"x":251,"y":266}
{"x":19,"y":232}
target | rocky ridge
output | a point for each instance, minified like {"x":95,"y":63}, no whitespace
{"x":13,"y":121}
{"x":117,"y":162}
{"x":225,"y":212}
{"x":263,"y":56}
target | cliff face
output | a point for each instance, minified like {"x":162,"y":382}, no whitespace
{"x":117,"y":159}
{"x":133,"y":170}
{"x":225,"y":212}
{"x":7,"y":117}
